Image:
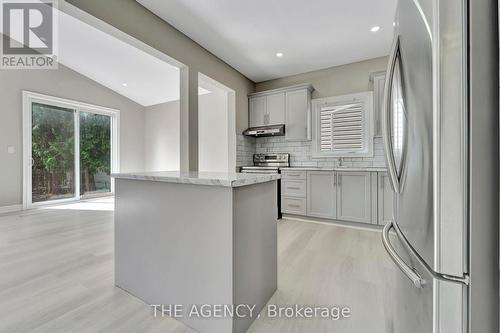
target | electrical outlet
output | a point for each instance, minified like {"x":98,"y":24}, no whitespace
{"x":11,"y":149}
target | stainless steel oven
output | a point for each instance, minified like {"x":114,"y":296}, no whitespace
{"x":269,"y":163}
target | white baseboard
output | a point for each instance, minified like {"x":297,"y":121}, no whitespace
{"x":337,"y":223}
{"x":9,"y":209}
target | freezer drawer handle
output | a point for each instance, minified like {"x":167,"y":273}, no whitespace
{"x":407,"y":270}
{"x":464,"y":279}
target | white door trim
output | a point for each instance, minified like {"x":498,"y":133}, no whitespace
{"x":231,"y":119}
{"x":30,"y":97}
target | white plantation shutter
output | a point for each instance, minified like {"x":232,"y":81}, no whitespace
{"x":342,"y":127}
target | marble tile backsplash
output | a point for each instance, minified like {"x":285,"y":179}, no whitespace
{"x":301,"y":153}
{"x":245,"y":148}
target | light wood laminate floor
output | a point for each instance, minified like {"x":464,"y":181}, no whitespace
{"x":56,"y":275}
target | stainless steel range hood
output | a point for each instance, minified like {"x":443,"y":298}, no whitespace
{"x":271,"y":130}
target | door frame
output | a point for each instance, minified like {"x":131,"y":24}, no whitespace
{"x":32,"y":97}
{"x":231,"y":118}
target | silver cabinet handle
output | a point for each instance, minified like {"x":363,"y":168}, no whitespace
{"x":418,"y":282}
{"x":266,"y":119}
{"x":296,"y":206}
{"x":386,"y":107}
{"x":293,"y":188}
{"x":293,"y":175}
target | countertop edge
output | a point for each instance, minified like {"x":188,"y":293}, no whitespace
{"x":354,"y":169}
{"x":200,"y":181}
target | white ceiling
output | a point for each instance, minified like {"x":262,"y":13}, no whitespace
{"x":311,"y":34}
{"x":117,"y":65}
{"x":113,"y":63}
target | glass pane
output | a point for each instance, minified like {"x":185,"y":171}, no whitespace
{"x":53,"y":143}
{"x":95,"y":154}
{"x":398,"y":118}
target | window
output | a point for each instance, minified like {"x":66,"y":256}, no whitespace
{"x":70,"y":149}
{"x":343,"y":126}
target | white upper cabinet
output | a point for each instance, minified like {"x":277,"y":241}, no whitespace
{"x":257,"y":111}
{"x":298,"y":115}
{"x":290,"y":106}
{"x":276,"y":109}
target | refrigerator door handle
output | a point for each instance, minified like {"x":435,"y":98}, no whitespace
{"x":386,"y":108}
{"x":418,"y":282}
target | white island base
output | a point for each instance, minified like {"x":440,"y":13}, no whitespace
{"x":189,"y":239}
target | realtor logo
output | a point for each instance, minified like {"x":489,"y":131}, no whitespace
{"x":28,"y":34}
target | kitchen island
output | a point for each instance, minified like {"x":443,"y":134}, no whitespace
{"x":188,"y":240}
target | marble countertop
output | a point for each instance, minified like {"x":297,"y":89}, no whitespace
{"x":372,"y":169}
{"x":200,"y":178}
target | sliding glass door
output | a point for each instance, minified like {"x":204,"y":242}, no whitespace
{"x":95,"y":154}
{"x":70,"y":149}
{"x":52,"y":152}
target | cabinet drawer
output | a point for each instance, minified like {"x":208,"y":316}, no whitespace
{"x":294,"y":175}
{"x":293,"y":188}
{"x":293,"y":205}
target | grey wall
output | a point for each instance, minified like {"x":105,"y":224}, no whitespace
{"x":333,"y":81}
{"x":162,"y":137}
{"x":135,"y":20}
{"x":64,"y":83}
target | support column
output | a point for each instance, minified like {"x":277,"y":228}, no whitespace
{"x":188,"y":120}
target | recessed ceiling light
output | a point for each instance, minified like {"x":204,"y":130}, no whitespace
{"x":393,"y":24}
{"x":375,"y":28}
{"x":124,"y":84}
{"x":279,"y":54}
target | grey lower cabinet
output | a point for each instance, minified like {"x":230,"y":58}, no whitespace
{"x":385,"y":198}
{"x":354,"y":196}
{"x":293,"y":192}
{"x":321,"y":194}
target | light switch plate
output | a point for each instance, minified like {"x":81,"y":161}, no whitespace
{"x":11,"y":149}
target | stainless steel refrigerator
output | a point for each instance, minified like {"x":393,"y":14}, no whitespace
{"x":440,"y":129}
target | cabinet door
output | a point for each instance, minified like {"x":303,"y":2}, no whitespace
{"x":378,"y":99}
{"x":297,"y":115}
{"x":354,"y":196}
{"x":321,"y":194}
{"x":385,"y":199}
{"x":276,"y":108}
{"x":257,"y":111}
